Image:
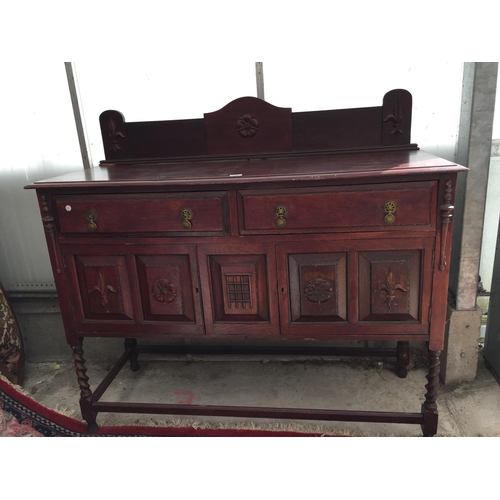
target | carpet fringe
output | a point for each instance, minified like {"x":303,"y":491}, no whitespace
{"x":67,"y":412}
{"x":276,"y":427}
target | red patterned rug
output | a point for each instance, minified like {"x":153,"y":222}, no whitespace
{"x":21,"y":416}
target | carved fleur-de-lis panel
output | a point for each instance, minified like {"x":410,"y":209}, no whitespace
{"x":390,"y":284}
{"x":389,"y":287}
{"x":396,"y":117}
{"x":115,"y":135}
{"x":103,"y":289}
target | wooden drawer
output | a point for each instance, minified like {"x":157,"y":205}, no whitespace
{"x":310,"y":210}
{"x":208,"y":213}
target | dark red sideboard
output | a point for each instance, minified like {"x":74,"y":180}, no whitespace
{"x":256,"y":223}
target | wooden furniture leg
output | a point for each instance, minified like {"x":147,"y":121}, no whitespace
{"x":429,"y":408}
{"x":403,"y":356}
{"x":134,"y":355}
{"x":85,"y":392}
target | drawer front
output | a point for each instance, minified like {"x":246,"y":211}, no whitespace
{"x":206,"y":213}
{"x":411,"y":205}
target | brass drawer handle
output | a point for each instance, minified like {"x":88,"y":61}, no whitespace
{"x":91,"y":216}
{"x":390,"y":209}
{"x":280,"y":213}
{"x":187,"y":216}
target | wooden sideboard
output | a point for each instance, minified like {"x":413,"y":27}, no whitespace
{"x":256,"y":223}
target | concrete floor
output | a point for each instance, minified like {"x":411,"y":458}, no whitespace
{"x":468,"y":409}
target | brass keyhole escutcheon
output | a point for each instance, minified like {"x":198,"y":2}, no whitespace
{"x":91,"y":216}
{"x":186,"y":216}
{"x":280,"y":213}
{"x":389,"y":209}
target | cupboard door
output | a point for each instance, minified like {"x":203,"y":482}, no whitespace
{"x":169,"y":290}
{"x":239,"y":289}
{"x":390,"y":285}
{"x":138,"y":290}
{"x":317,"y":287}
{"x":313,"y":288}
{"x":104,"y":287}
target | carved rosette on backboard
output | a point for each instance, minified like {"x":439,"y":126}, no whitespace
{"x":247,"y":126}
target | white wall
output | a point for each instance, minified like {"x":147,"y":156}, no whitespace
{"x":173,"y":91}
{"x":145,"y":92}
{"x":436,"y":89}
{"x":39,"y":140}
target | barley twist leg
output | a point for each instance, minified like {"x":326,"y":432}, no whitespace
{"x":85,"y":393}
{"x":429,"y":408}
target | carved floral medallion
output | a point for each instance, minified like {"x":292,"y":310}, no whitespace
{"x":247,"y":126}
{"x":318,"y":290}
{"x":164,"y":291}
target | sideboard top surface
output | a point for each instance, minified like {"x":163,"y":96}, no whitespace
{"x":328,"y":167}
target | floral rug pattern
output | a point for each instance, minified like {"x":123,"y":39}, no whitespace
{"x":11,"y":345}
{"x":22,"y":416}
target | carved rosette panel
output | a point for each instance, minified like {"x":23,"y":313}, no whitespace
{"x":164,"y":282}
{"x":247,"y":126}
{"x":167,"y":289}
{"x":164,"y":291}
{"x":318,"y":287}
{"x":318,"y":290}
